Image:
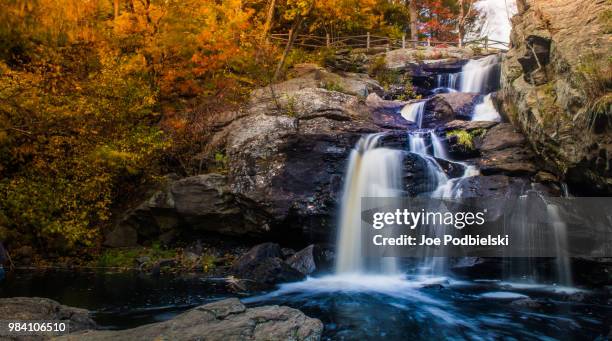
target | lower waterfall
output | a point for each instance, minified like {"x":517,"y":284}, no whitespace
{"x":373,"y":171}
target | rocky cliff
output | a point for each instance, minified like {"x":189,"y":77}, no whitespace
{"x":556,"y":87}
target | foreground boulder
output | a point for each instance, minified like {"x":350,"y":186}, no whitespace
{"x":224,"y":320}
{"x":38,"y":309}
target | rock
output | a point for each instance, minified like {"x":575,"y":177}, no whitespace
{"x":578,"y":296}
{"x":287,"y":252}
{"x":263,"y":266}
{"x":313,"y":76}
{"x":526,"y":303}
{"x":467,"y":125}
{"x":309,"y":260}
{"x":202,"y":202}
{"x":256,"y":254}
{"x":552,"y":101}
{"x":453,"y":105}
{"x":37,"y":309}
{"x":477,"y":267}
{"x":402,"y":59}
{"x":493,"y":186}
{"x":386,"y":114}
{"x":284,"y":162}
{"x":504,"y":151}
{"x":121,"y":236}
{"x":224,"y":320}
{"x":502,"y":136}
{"x":452,"y":169}
{"x":509,"y":161}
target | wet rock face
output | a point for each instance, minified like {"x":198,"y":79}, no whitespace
{"x":551,"y":78}
{"x":223,"y":320}
{"x":262,"y":267}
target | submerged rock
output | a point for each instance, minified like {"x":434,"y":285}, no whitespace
{"x":223,"y":320}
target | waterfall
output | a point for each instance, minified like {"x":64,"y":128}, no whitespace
{"x":486,"y":111}
{"x":447,"y":80}
{"x":564,"y":270}
{"x":372,"y":172}
{"x":438,"y":147}
{"x":481,"y":75}
{"x":436,"y":176}
{"x":414,"y":112}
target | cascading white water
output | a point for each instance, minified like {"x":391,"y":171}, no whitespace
{"x":447,"y":80}
{"x":436,"y":176}
{"x":486,"y":111}
{"x":564,"y":270}
{"x":372,"y":172}
{"x":477,"y":73}
{"x":414,"y":112}
{"x":438,"y":147}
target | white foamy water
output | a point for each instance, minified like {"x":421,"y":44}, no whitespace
{"x":486,"y":111}
{"x":477,"y":73}
{"x":414,"y":112}
{"x":372,"y":172}
{"x":503,"y":295}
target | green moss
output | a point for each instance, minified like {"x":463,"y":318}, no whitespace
{"x":290,"y":108}
{"x":333,"y":86}
{"x":464,"y":138}
{"x":126,"y":257}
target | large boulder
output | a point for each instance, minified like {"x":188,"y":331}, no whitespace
{"x":43,"y":309}
{"x":284,"y":160}
{"x":310,"y":260}
{"x":224,"y":320}
{"x":385,"y":113}
{"x":202,"y":202}
{"x":504,"y":150}
{"x":432,"y":58}
{"x":554,"y":87}
{"x":454,"y":105}
{"x":262,"y":268}
{"x":313,"y":76}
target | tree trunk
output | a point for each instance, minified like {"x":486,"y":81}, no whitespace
{"x":116,"y":5}
{"x":295,"y":30}
{"x":269,"y":19}
{"x":414,"y":29}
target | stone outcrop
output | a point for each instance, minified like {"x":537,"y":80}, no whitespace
{"x":556,"y":87}
{"x":284,"y":158}
{"x":224,"y":320}
{"x":40,"y":309}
